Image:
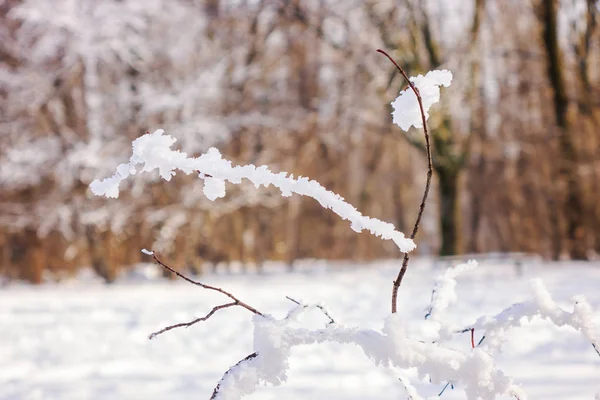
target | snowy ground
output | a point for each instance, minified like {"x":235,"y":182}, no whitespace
{"x":84,"y":340}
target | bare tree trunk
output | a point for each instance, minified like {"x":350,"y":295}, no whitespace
{"x":99,"y":248}
{"x":573,"y":207}
{"x":28,"y":255}
{"x":448,"y":190}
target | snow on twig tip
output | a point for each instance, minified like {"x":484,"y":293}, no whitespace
{"x":407,"y":112}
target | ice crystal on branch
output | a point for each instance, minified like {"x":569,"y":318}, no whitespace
{"x":406,"y":108}
{"x":434,"y":359}
{"x":153,"y":152}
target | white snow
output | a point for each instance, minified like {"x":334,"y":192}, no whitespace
{"x":86,"y":340}
{"x":153,"y":152}
{"x":406,"y":108}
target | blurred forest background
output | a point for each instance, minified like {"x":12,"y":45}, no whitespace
{"x":296,"y":85}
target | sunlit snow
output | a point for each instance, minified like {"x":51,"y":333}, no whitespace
{"x":83,"y":339}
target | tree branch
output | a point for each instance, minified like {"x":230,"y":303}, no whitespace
{"x":320,"y":307}
{"x":188,"y":324}
{"x":218,"y":387}
{"x":402,"y":271}
{"x":236,"y":301}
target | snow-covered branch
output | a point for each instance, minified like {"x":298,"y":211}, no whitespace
{"x":541,"y":306}
{"x":153,"y":152}
{"x":437,"y":361}
{"x":434,"y":358}
{"x":274,"y":339}
{"x":411,"y":107}
{"x":444,"y":290}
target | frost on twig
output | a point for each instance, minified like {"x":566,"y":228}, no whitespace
{"x":495,"y":327}
{"x":230,"y":382}
{"x":153,"y":152}
{"x":434,"y":359}
{"x":302,"y":306}
{"x":411,"y":107}
{"x":407,"y":112}
{"x":410,"y":389}
{"x":444,"y":289}
{"x":274,"y":339}
{"x":541,"y":306}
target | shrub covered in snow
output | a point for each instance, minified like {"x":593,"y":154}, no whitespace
{"x":432,"y":356}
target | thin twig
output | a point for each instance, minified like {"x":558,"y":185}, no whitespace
{"x":402,"y":271}
{"x":481,"y":341}
{"x":320,"y":307}
{"x":472,"y":346}
{"x":430,"y":304}
{"x":195,"y":321}
{"x":406,"y":388}
{"x":218,"y":387}
{"x":237,"y":301}
{"x":445,"y":387}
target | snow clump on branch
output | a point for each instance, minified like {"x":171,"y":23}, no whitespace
{"x":153,"y":152}
{"x":406,"y":108}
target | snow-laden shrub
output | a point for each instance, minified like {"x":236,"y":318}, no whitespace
{"x":435,"y":360}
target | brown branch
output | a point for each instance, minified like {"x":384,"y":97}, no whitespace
{"x":218,"y":387}
{"x":188,"y":324}
{"x":402,"y":271}
{"x":236,"y":301}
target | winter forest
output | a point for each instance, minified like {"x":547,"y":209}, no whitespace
{"x":295,"y":85}
{"x":291,"y":166}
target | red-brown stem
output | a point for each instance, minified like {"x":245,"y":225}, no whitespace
{"x":236,"y":301}
{"x":473,"y":338}
{"x":195,"y":321}
{"x":402,"y":271}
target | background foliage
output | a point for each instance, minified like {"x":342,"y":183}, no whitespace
{"x":296,"y":85}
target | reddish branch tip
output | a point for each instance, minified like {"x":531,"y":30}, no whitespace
{"x":393,"y":62}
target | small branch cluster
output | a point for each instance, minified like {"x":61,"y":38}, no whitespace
{"x":434,"y":359}
{"x":542,"y":306}
{"x":235,"y":301}
{"x":308,"y":306}
{"x":474,"y":369}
